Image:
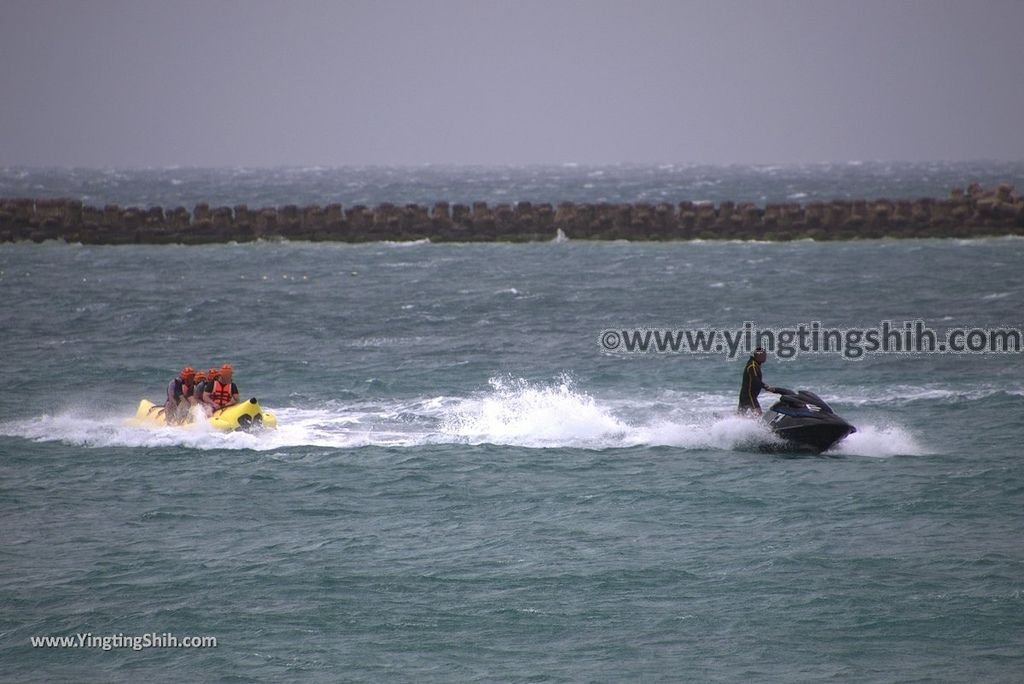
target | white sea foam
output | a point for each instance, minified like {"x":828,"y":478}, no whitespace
{"x":880,"y":442}
{"x":898,"y":395}
{"x":520,"y":413}
{"x":406,"y":243}
{"x":512,"y":412}
{"x":721,"y":431}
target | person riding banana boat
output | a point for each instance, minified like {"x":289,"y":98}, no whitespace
{"x":179,"y":391}
{"x":217,"y":395}
{"x":198,"y":387}
{"x":221,"y":392}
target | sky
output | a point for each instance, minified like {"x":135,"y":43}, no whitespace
{"x":112,"y":83}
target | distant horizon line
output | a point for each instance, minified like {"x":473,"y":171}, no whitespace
{"x":509,"y":165}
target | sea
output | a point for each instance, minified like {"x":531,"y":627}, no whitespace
{"x":471,"y":483}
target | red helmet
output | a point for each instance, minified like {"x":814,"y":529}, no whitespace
{"x":187,"y":372}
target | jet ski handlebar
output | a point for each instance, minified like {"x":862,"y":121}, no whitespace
{"x":801,"y":398}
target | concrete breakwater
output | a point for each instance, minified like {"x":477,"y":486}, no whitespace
{"x":972,"y":212}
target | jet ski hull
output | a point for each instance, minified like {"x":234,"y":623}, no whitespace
{"x":244,"y":416}
{"x":812,"y":436}
{"x":806,"y":423}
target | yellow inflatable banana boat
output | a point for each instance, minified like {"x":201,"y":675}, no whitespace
{"x":245,"y":416}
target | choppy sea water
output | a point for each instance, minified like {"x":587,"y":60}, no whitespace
{"x":467,"y":487}
{"x":424,"y":185}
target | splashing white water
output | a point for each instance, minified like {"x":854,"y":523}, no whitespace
{"x":522,"y":414}
{"x":880,"y":442}
{"x":512,"y":412}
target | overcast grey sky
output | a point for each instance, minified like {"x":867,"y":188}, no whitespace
{"x":256,"y":83}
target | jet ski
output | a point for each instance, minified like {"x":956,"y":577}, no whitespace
{"x":805,"y":421}
{"x":245,"y":416}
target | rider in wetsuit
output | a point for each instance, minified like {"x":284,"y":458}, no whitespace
{"x":752,"y":383}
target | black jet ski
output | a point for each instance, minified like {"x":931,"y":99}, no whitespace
{"x":805,"y":421}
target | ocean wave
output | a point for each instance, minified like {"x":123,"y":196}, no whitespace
{"x":369,"y":185}
{"x":902,"y":395}
{"x":511,"y":412}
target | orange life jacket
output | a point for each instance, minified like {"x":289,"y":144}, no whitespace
{"x":221,"y":394}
